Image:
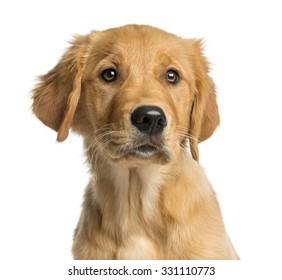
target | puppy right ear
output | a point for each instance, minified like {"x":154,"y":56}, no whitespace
{"x":204,"y":113}
{"x":56,"y":96}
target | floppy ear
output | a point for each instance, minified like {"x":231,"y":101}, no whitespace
{"x":204,"y":113}
{"x":56,"y":96}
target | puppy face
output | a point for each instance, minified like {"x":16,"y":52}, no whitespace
{"x":136,"y":93}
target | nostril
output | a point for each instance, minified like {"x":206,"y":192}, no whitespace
{"x":162,"y":122}
{"x":146,"y":120}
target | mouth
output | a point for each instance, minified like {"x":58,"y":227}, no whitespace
{"x":145,"y":150}
{"x":142,"y":151}
{"x":150,"y":151}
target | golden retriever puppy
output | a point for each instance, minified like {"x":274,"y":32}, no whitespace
{"x":139,"y":97}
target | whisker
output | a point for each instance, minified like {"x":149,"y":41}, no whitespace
{"x":96,"y":139}
{"x":186,"y":134}
{"x":99,"y":129}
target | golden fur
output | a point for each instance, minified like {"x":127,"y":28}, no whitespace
{"x":154,"y":204}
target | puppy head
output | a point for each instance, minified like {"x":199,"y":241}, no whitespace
{"x":104,"y":78}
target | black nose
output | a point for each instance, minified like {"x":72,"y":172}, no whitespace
{"x":149,"y":119}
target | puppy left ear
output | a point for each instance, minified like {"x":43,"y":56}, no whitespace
{"x":204,"y":113}
{"x":56,"y":96}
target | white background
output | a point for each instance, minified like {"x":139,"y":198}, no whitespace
{"x":42,"y":182}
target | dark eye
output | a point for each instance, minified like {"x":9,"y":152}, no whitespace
{"x":109,"y":75}
{"x":172,"y":77}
